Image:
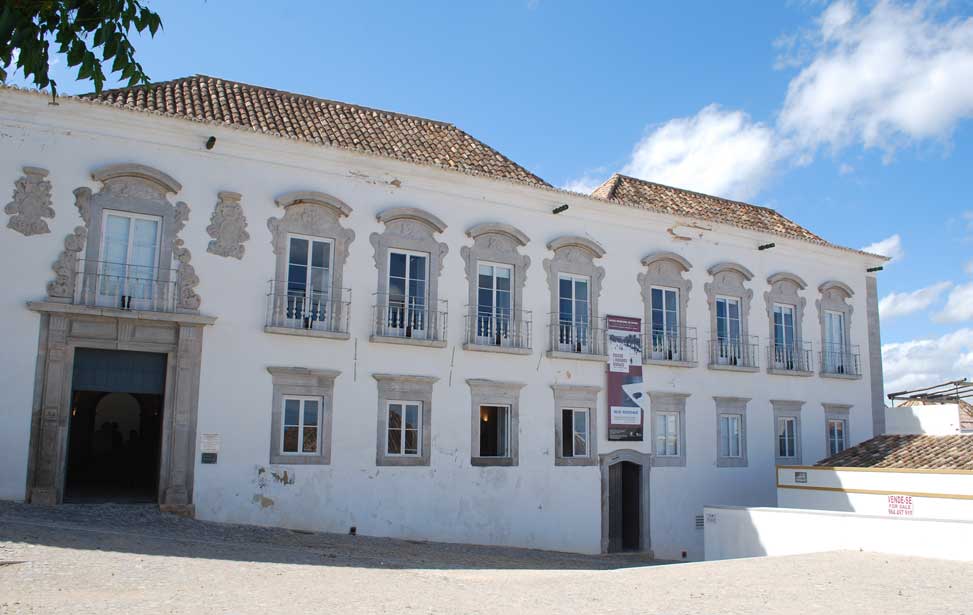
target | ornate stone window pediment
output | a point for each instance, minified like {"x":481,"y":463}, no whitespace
{"x":785,"y":314}
{"x":153,"y":271}
{"x":729,"y":304}
{"x":578,"y":330}
{"x":670,"y":337}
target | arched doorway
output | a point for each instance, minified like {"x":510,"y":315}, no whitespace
{"x":625,"y":501}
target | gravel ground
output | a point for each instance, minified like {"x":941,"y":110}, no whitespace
{"x":134,"y":560}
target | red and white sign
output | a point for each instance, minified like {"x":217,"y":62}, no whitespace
{"x":900,"y":505}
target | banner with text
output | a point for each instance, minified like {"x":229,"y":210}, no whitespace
{"x":626,"y":395}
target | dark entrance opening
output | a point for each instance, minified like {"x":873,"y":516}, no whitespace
{"x":115,"y":435}
{"x":624,"y":506}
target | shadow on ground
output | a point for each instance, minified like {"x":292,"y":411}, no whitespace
{"x":143,"y":529}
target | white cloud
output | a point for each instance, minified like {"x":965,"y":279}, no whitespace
{"x":959,"y":305}
{"x":846,"y":169}
{"x":890,"y":247}
{"x":968,"y":267}
{"x":584,"y":184}
{"x":902,"y":304}
{"x":924,"y":362}
{"x":883,"y":78}
{"x":716,"y":151}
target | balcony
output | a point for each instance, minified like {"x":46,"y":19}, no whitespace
{"x":577,"y":340}
{"x":841,"y":361}
{"x":734,"y":353}
{"x":671,"y":348}
{"x":400,"y":320}
{"x":789,"y":359}
{"x":309,"y":314}
{"x":125,"y":287}
{"x":508,"y":332}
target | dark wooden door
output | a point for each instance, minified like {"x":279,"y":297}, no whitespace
{"x":615,"y":508}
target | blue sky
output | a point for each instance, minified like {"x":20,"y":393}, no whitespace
{"x":851,"y":118}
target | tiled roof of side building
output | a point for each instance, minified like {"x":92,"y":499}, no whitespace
{"x":680,"y":202}
{"x":917,"y":452}
{"x":316,"y":120}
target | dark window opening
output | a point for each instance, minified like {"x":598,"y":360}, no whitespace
{"x":494,"y":431}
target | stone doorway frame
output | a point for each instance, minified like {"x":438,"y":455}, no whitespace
{"x":64,"y":328}
{"x":644,"y":461}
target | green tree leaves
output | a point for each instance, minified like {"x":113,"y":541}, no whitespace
{"x":81,"y":30}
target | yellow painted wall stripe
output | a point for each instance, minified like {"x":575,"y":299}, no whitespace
{"x":915,"y":494}
{"x":890,"y":470}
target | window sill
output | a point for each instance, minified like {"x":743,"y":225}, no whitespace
{"x":668,"y":461}
{"x":497,"y":349}
{"x":787,"y":462}
{"x":577,"y":356}
{"x":733,"y":368}
{"x":840,"y":376}
{"x":575,"y":461}
{"x":492,"y":461}
{"x":407,"y":341}
{"x":668,"y":363}
{"x":299,"y":460}
{"x":731,"y":462}
{"x":402,"y":461}
{"x":329,"y":335}
{"x":789,"y":372}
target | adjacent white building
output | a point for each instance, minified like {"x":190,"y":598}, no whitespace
{"x":258,"y":307}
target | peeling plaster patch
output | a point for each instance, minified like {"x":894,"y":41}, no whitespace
{"x":368,"y":179}
{"x":264,"y":501}
{"x":672,"y":233}
{"x":396,"y":183}
{"x":283,"y":479}
{"x":688,"y":229}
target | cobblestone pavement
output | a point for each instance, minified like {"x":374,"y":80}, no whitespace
{"x":135,"y":560}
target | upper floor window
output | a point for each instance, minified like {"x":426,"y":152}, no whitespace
{"x":575,"y":284}
{"x":731,"y":346}
{"x":128,"y":271}
{"x":665,"y":295}
{"x":839,"y":358}
{"x":787,"y":352}
{"x":785,"y":349}
{"x":494,"y":303}
{"x":574,"y":313}
{"x":665,"y":342}
{"x":307,"y":296}
{"x":406,"y":312}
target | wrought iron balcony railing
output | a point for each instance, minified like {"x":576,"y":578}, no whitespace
{"x":404,"y":317}
{"x":125,"y":287}
{"x":585,"y":338}
{"x":510,"y":329}
{"x":311,"y":310}
{"x":790,"y":357}
{"x":734,"y":351}
{"x":840,"y":359}
{"x":678,"y":346}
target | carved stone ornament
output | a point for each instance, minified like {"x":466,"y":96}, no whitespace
{"x":31,"y":203}
{"x":496,"y":243}
{"x":575,"y":255}
{"x":409,"y":228}
{"x":228,"y":227}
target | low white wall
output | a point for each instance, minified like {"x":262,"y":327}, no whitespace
{"x":732,"y":532}
{"x":931,"y":420}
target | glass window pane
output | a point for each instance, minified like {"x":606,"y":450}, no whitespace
{"x":411,"y":442}
{"x":564,"y":289}
{"x":310,"y":412}
{"x":290,"y":439}
{"x":412,"y":417}
{"x":397,"y":264}
{"x":310,"y":440}
{"x":292,"y":412}
{"x":320,"y":254}
{"x":581,"y":290}
{"x":417,"y":267}
{"x":395,"y":441}
{"x":395,"y":416}
{"x":567,"y":440}
{"x":298,"y":251}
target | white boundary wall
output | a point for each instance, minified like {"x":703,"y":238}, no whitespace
{"x":732,"y":532}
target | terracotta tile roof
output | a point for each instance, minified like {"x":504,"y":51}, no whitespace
{"x":914,"y":452}
{"x":316,"y":120}
{"x":679,"y":202}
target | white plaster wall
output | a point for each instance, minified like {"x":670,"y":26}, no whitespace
{"x":535,"y":504}
{"x":933,"y":420}
{"x":842,"y":490}
{"x":751,"y":532}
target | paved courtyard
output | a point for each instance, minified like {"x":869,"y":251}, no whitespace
{"x":132,"y":559}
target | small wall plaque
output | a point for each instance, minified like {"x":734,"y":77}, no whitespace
{"x":800,"y":477}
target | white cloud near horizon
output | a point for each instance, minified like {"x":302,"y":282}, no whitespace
{"x":890,"y":247}
{"x":903,"y":304}
{"x":924,"y":362}
{"x":889,"y":76}
{"x":959,"y":305}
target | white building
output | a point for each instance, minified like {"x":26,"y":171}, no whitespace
{"x":259,"y":312}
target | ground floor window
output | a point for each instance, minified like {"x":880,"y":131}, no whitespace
{"x":494,"y":431}
{"x":730,"y":435}
{"x":404,"y":428}
{"x":667,"y":434}
{"x":786,"y":436}
{"x":301,"y":425}
{"x":837,"y":441}
{"x":574,"y":432}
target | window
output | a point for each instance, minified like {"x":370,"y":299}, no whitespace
{"x":665,"y":323}
{"x":836,"y":436}
{"x":574,"y":313}
{"x":731,"y":437}
{"x":494,"y":303}
{"x":786,"y":436}
{"x":728,"y":331}
{"x":301,"y":425}
{"x":407,"y":313}
{"x":785,"y":349}
{"x":404,"y":428}
{"x":835,"y":349}
{"x":128,"y":270}
{"x":308,"y":281}
{"x":494,"y":431}
{"x":574,"y":432}
{"x":667,"y":434}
